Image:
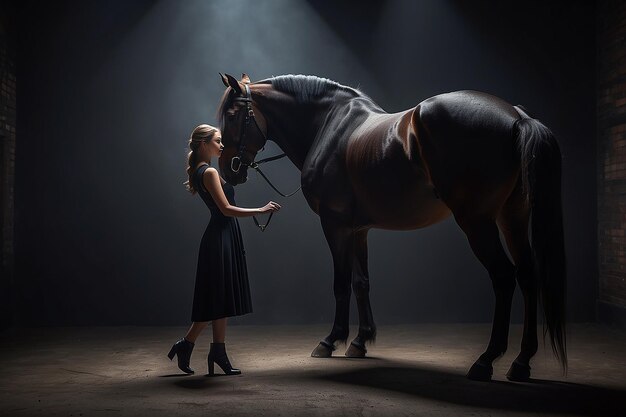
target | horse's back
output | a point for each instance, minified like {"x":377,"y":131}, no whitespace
{"x":468,"y":112}
{"x":467,"y":142}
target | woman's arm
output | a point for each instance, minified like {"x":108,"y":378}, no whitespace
{"x":211,"y":181}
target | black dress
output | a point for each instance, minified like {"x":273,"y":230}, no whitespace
{"x":222,"y":288}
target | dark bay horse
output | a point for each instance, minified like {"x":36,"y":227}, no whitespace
{"x":465,"y":153}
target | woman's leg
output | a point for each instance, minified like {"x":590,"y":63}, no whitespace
{"x":219,"y":330}
{"x":195,"y":330}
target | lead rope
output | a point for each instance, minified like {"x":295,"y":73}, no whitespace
{"x":263,"y":226}
{"x":255,"y":166}
{"x":257,"y":169}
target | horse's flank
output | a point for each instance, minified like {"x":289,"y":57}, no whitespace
{"x":384,"y":144}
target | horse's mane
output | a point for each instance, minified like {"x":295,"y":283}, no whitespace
{"x":304,"y":88}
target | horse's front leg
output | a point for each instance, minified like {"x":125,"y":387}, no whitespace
{"x":361,"y":289}
{"x":340,"y":240}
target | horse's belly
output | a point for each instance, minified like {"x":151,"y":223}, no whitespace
{"x":391,"y":208}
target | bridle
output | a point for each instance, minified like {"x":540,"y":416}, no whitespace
{"x":237,"y":161}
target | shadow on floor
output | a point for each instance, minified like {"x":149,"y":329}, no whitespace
{"x":536,"y":396}
{"x":539,"y":396}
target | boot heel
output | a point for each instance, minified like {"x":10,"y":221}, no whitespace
{"x":217,"y":354}
{"x":172,"y":353}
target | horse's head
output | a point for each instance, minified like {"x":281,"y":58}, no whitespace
{"x":243,"y":129}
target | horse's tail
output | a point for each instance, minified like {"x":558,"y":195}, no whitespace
{"x":541,"y":179}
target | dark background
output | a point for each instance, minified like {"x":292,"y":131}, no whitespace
{"x":108,"y":93}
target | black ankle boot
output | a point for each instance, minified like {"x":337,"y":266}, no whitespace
{"x":217,"y":354}
{"x":182,"y":349}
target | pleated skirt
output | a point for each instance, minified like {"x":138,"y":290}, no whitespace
{"x":222,"y":288}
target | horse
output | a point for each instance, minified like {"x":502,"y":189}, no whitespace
{"x":465,"y":153}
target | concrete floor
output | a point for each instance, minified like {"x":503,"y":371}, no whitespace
{"x":412,"y":370}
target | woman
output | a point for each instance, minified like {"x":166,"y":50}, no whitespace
{"x":222,"y":288}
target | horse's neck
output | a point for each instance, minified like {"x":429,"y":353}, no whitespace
{"x":294,"y":126}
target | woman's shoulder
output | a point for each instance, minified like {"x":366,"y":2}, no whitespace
{"x":211,"y":173}
{"x":203,"y":169}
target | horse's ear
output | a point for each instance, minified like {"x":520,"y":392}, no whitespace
{"x":234,"y":84}
{"x":245,"y":79}
{"x":224,"y":79}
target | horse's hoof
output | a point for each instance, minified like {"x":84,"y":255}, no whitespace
{"x":480,"y":372}
{"x":355,"y":351}
{"x":518,"y":372}
{"x":322,"y":351}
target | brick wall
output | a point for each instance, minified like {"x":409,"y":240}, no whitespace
{"x":7,"y":170}
{"x":611,"y":125}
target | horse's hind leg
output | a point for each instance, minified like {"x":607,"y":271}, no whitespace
{"x":361,"y":289}
{"x":340,"y":240}
{"x":483,"y":236}
{"x":513,"y":222}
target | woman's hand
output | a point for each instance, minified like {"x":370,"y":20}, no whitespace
{"x":271,"y":206}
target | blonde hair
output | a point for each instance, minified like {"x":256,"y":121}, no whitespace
{"x":202,"y":133}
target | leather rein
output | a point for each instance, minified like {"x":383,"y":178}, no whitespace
{"x":236,"y":162}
